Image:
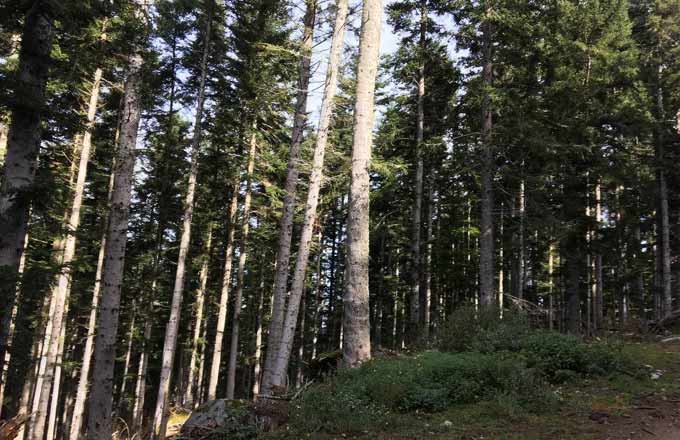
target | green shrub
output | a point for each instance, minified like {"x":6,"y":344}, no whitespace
{"x":561,"y":357}
{"x":357,"y":399}
{"x":331,"y":408}
{"x":483,"y":330}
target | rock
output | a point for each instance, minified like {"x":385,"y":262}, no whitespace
{"x":226,"y":418}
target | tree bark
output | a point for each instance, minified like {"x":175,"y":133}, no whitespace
{"x":486,"y":241}
{"x":75,"y":430}
{"x":4,"y":367}
{"x":279,"y":370}
{"x":100,"y":401}
{"x":224,"y":295}
{"x":196,"y":345}
{"x":172,"y":328}
{"x":416,"y":263}
{"x":243,"y":255}
{"x":518,"y":272}
{"x":128,"y":357}
{"x":257,"y":355}
{"x":663,"y":237}
{"x":23,"y":143}
{"x":356,"y":347}
{"x":290,"y":189}
{"x":140,"y":387}
{"x":56,"y":384}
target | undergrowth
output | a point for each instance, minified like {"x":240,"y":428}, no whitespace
{"x":480,"y":359}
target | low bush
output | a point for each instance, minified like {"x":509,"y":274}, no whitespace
{"x":560,"y":357}
{"x":483,"y":331}
{"x":555,"y":356}
{"x":355,"y":400}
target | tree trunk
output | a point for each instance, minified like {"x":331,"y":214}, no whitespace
{"x":426,"y":288}
{"x":23,"y":143}
{"x":224,"y":296}
{"x":83,"y":381}
{"x":279,"y":368}
{"x":56,"y":383}
{"x":663,"y":238}
{"x":128,"y":356}
{"x":356,"y":347}
{"x":190,"y":395}
{"x":598,"y":296}
{"x":518,"y":272}
{"x":486,"y":242}
{"x":172,"y":328}
{"x":100,"y":401}
{"x":140,"y":387}
{"x":290,"y":189}
{"x":243,"y":255}
{"x":4,"y":367}
{"x":416,"y":263}
{"x":259,"y":317}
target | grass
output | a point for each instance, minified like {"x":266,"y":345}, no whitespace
{"x":369,"y":403}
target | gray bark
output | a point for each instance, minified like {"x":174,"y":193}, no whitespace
{"x":243,"y":255}
{"x":486,"y":240}
{"x":23,"y":143}
{"x":356,"y":346}
{"x":290,"y":190}
{"x":100,"y":401}
{"x":172,"y":328}
{"x":279,"y":370}
{"x":224,"y":295}
{"x":416,"y":263}
{"x":190,"y":395}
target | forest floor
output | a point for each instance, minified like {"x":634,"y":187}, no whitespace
{"x":620,"y":407}
{"x":615,"y":407}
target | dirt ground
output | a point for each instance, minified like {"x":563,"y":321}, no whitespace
{"x":651,"y":418}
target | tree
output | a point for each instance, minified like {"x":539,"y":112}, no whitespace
{"x":101,"y":394}
{"x":289,"y":200}
{"x":169,"y":345}
{"x":283,"y":352}
{"x":356,"y":346}
{"x":23,"y":143}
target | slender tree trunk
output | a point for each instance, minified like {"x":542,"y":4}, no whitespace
{"x":663,"y":237}
{"x":426,"y":288}
{"x":128,"y":356}
{"x":639,"y":280}
{"x":518,"y":273}
{"x":501,"y":261}
{"x":257,"y":356}
{"x":140,"y":387}
{"x":279,"y":368}
{"x":356,"y":346}
{"x":486,"y":241}
{"x":56,"y":384}
{"x":171,"y":330}
{"x":28,"y":387}
{"x":23,"y":143}
{"x":316,"y":323}
{"x":196,"y":346}
{"x":243,"y":255}
{"x":290,"y":190}
{"x":100,"y":401}
{"x":4,"y":367}
{"x":43,"y":363}
{"x":551,"y":283}
{"x":598,"y":295}
{"x":416,"y":263}
{"x":224,"y":296}
{"x":84,"y":378}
